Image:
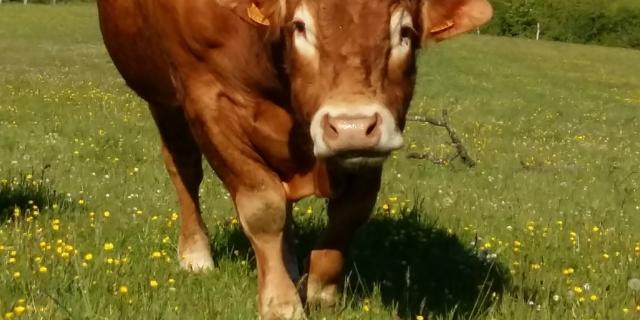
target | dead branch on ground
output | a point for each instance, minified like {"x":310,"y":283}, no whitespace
{"x":461,"y":150}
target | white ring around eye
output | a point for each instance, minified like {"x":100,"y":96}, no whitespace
{"x":400,"y":46}
{"x":305,"y":42}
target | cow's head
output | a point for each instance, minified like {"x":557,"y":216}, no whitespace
{"x":351,"y":65}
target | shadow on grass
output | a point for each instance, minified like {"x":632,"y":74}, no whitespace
{"x":415,"y":266}
{"x":27,"y":192}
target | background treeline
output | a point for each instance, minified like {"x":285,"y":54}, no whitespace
{"x":603,"y":22}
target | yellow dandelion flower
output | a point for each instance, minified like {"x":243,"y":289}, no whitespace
{"x":517,"y":243}
{"x":595,"y":229}
{"x":365,"y":308}
{"x":19,"y":310}
{"x":625,"y":310}
{"x":12,"y":260}
{"x":385,"y":207}
{"x":8,"y":315}
{"x":43,"y":269}
{"x":568,"y":271}
{"x":108,"y":246}
{"x":123,"y":290}
{"x":88,"y":257}
{"x":593,"y":297}
{"x":171,"y":281}
{"x":156,"y":254}
{"x":605,"y":255}
{"x":17,"y":274}
{"x":106,"y":214}
{"x":13,"y":253}
{"x":419,"y":317}
{"x":174,"y":216}
{"x":153,"y":283}
{"x":577,"y":290}
{"x":536,"y":266}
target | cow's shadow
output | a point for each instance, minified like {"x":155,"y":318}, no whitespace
{"x":415,"y":266}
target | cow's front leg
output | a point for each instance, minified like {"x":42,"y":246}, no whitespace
{"x":347,"y":212}
{"x":264,"y":217}
{"x":183,"y":161}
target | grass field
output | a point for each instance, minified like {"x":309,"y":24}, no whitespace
{"x":547,"y":226}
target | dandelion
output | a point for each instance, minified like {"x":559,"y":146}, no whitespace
{"x":419,"y":317}
{"x":106,"y":214}
{"x":88,"y":257}
{"x":16,"y":275}
{"x":123,"y":290}
{"x":568,"y":271}
{"x":593,"y":298}
{"x":625,"y":310}
{"x":19,"y":310}
{"x":156,"y":254}
{"x":174,"y":216}
{"x":171,"y":281}
{"x":578,"y":290}
{"x":108,"y":246}
{"x":12,"y":260}
{"x":43,"y":269}
{"x":556,"y":298}
{"x":536,"y":266}
{"x":153,"y":283}
{"x":8,"y":315}
{"x":634,"y":284}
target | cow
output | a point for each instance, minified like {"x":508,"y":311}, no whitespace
{"x":284,"y":99}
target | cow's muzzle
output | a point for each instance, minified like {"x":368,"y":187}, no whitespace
{"x":355,"y":136}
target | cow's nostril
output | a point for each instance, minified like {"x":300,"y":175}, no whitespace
{"x":372,"y":127}
{"x":333,"y":128}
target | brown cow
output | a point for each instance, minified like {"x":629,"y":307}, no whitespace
{"x":285,"y":99}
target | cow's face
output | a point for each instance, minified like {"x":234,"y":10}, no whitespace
{"x":352,"y":68}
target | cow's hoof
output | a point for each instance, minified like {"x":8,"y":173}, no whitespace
{"x":279,"y":310}
{"x":195,"y":253}
{"x":196,"y":262}
{"x":322,"y":296}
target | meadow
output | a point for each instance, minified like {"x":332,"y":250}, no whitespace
{"x":546,"y":226}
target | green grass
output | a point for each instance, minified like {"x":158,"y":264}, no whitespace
{"x":547,"y":226}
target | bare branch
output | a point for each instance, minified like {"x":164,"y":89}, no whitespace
{"x":461,"y":150}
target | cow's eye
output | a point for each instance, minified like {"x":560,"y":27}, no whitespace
{"x":299,"y":26}
{"x":407,"y":35}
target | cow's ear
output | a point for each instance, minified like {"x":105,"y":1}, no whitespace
{"x":442,"y":19}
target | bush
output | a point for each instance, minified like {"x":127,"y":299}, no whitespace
{"x":613,"y":23}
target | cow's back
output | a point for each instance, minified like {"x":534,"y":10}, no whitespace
{"x":130,"y":43}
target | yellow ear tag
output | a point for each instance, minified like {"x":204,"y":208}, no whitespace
{"x":442,"y":27}
{"x":254,"y":13}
